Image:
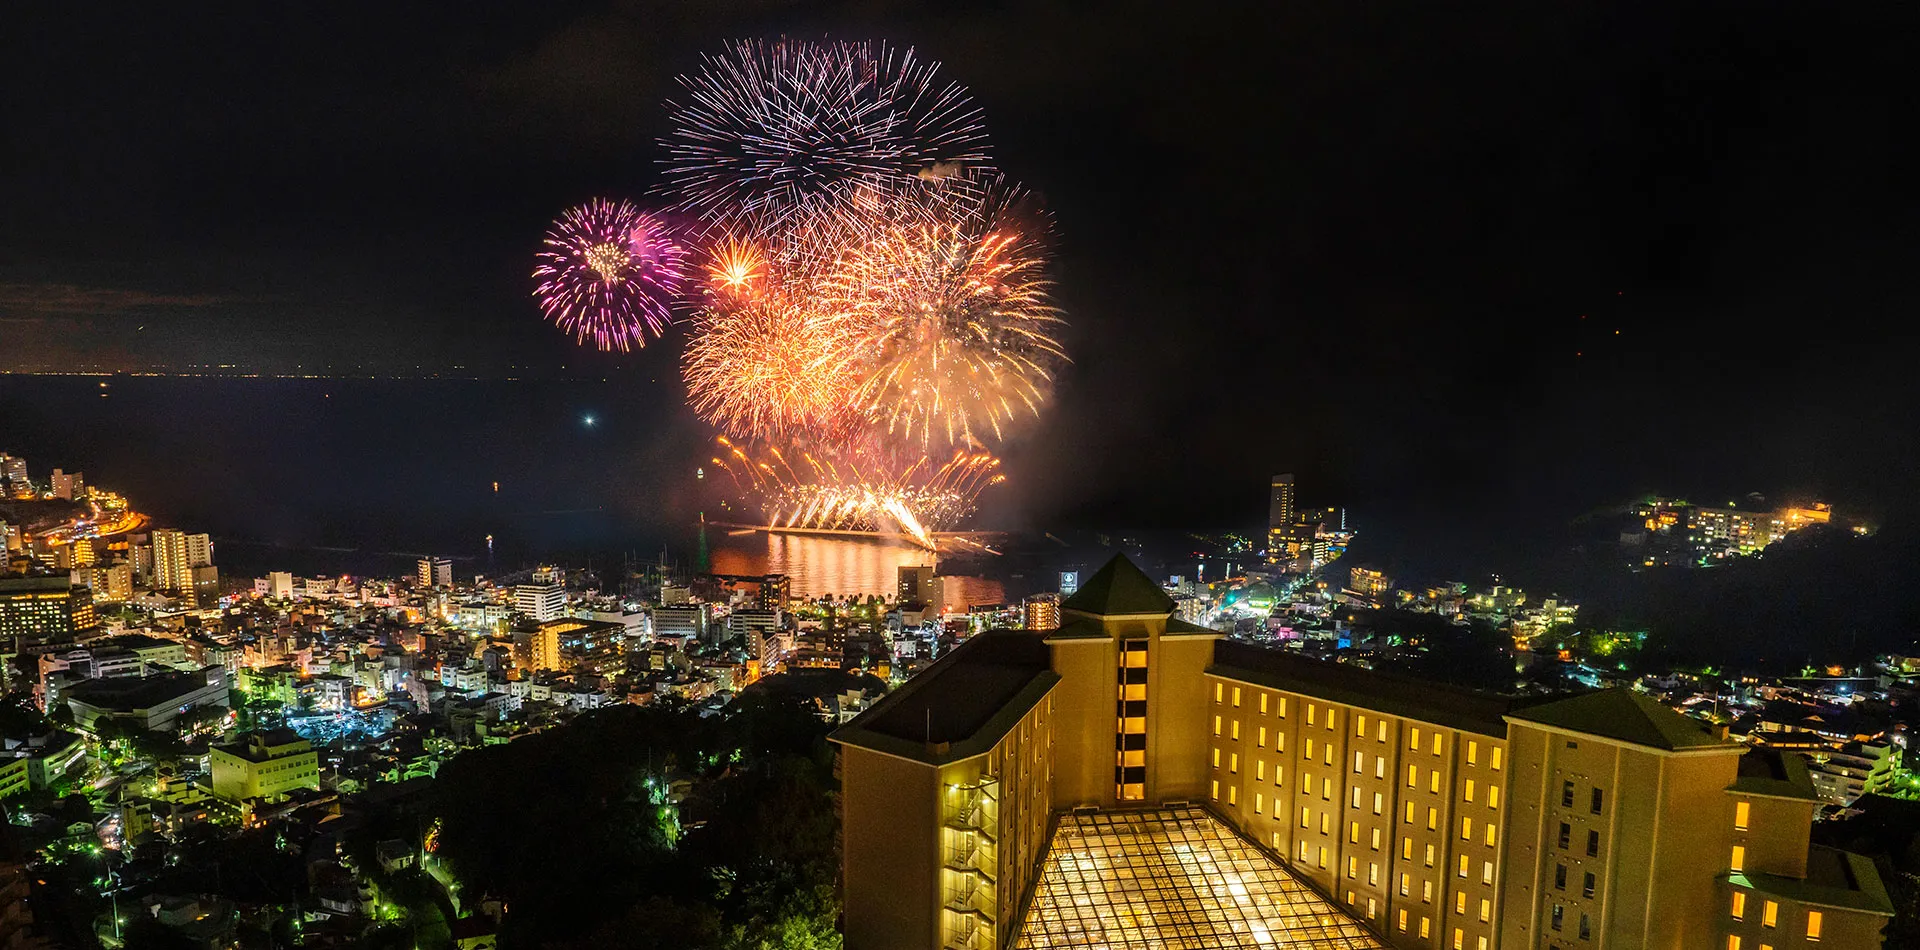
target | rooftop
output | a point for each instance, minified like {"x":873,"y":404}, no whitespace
{"x":1769,"y":772}
{"x":961,"y":704}
{"x":1624,"y":716}
{"x":1173,"y":877}
{"x":130,"y":693}
{"x":1119,"y":588}
{"x":1389,"y":693}
{"x":1835,"y":878}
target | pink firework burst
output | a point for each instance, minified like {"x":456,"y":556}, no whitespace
{"x":610,"y":273}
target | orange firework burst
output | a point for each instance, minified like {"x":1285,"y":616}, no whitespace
{"x":771,"y":367}
{"x":953,"y":324}
{"x":855,"y":489}
{"x":736,"y":267}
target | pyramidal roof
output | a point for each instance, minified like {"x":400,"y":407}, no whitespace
{"x":1625,"y":716}
{"x":1119,"y":588}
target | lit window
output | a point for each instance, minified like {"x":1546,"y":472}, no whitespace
{"x":1309,"y":750}
{"x":1216,"y":757}
{"x":1279,"y":741}
{"x":1236,"y":696}
{"x":1464,"y":861}
{"x":1326,"y":822}
{"x":1459,"y":902}
{"x":1493,"y":796}
{"x":1283,"y":707}
{"x":1770,"y":914}
{"x":1406,"y":848}
{"x":1313,"y":714}
{"x":1376,"y":839}
{"x":1233,"y":794}
{"x":1496,"y":758}
{"x":1233,"y":763}
{"x":1379,"y":802}
{"x":1433,"y":781}
{"x":1436,"y":743}
{"x":1356,"y":796}
{"x":1459,"y":939}
{"x":1216,"y":790}
{"x":1486,"y":873}
{"x":1466,"y":834}
{"x":1323,"y":857}
{"x":1489,"y":834}
{"x":1423,"y":927}
{"x":1413,"y":775}
{"x":1218,"y":690}
{"x":1486,"y":909}
{"x":1813,"y":925}
{"x":1379,"y":766}
{"x":1373,"y":875}
{"x":1473,"y":752}
{"x":1409,"y":818}
{"x":1236,"y":729}
{"x":1305,"y":817}
{"x":1413,"y":739}
{"x":1279,"y":776}
{"x":1360,"y":725}
{"x":1470,"y":790}
{"x":1380,"y":732}
{"x":1741,"y":812}
{"x":1260,"y":770}
{"x":1326,"y":789}
{"x":1259,"y":803}
{"x":1353,"y":832}
{"x":1359,"y":762}
{"x":1739,"y":904}
{"x":1216,"y":725}
{"x":1260,"y":738}
{"x":1403,"y":911}
{"x":1263,"y":704}
{"x":1739,"y":857}
{"x":1733,"y":942}
{"x":1433,"y":818}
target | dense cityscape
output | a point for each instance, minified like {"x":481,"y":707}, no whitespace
{"x":202,"y":760}
{"x":905,"y":476}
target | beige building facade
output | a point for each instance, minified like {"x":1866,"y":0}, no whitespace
{"x":1441,"y":819}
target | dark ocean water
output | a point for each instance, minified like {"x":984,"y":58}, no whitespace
{"x":362,"y":475}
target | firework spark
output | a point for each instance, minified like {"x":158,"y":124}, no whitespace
{"x":955,"y":321}
{"x":772,"y":367}
{"x":856,"y":491}
{"x":791,"y":129}
{"x":610,"y":273}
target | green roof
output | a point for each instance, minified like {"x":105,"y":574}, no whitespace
{"x":1625,"y":716}
{"x":1117,"y":589}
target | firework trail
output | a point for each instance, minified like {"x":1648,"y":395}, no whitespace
{"x":771,"y":367}
{"x":609,"y":273}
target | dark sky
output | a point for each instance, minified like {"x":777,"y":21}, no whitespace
{"x":1353,"y":240}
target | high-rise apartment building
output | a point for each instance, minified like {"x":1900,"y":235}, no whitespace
{"x":541,"y":602}
{"x":175,"y":555}
{"x":1280,"y":504}
{"x":1041,"y":612}
{"x":775,"y":591}
{"x":13,"y":477}
{"x":69,"y":485}
{"x":434,"y":572}
{"x":42,"y":611}
{"x":916,"y":584}
{"x":1209,"y":792}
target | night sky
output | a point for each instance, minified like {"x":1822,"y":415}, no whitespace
{"x":1457,"y":264}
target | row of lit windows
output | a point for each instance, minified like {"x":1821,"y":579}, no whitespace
{"x":1770,"y":917}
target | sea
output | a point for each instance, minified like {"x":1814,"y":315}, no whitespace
{"x":363,"y":475}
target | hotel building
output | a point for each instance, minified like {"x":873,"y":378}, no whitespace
{"x":1132,"y":780}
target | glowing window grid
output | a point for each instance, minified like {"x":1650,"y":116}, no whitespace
{"x":1171,"y":879}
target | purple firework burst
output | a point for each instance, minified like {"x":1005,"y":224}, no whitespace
{"x":611,"y":273}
